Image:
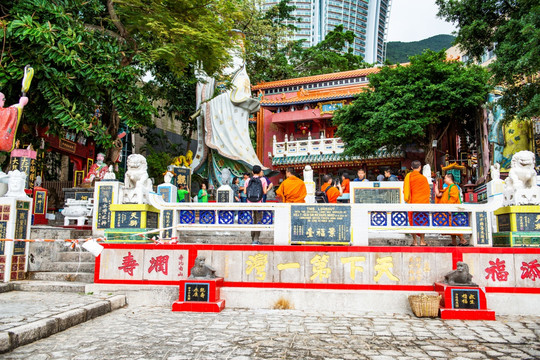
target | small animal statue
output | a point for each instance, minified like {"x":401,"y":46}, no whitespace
{"x":460,"y":276}
{"x":201,"y":270}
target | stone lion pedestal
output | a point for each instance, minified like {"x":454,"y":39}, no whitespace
{"x":200,"y":295}
{"x":518,"y":221}
{"x":463,"y":303}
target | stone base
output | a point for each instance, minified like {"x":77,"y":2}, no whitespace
{"x":463,"y":314}
{"x":516,"y":239}
{"x":518,"y":218}
{"x":215,"y":306}
{"x":200,"y":295}
{"x":463,"y":303}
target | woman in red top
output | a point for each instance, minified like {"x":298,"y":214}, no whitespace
{"x":333,"y":192}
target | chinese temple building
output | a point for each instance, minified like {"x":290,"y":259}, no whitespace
{"x":294,"y":125}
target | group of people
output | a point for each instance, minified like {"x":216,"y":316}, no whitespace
{"x":416,"y":190}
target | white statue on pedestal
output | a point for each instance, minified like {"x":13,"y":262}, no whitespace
{"x":137,"y":183}
{"x":16,"y":183}
{"x":110,"y":175}
{"x":310,"y":185}
{"x":520,"y":187}
{"x":426,"y":171}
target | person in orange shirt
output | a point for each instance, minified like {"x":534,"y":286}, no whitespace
{"x":416,"y":190}
{"x":345,"y":183}
{"x":292,"y":189}
{"x":450,"y":195}
{"x":333,"y":192}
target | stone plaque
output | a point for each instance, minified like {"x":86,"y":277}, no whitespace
{"x":482,"y":233}
{"x":3,"y":232}
{"x":196,"y":292}
{"x":321,"y":224}
{"x":182,"y":176}
{"x":223,"y":196}
{"x":167,"y":222}
{"x":39,"y":202}
{"x":503,"y":222}
{"x":85,"y":195}
{"x":104,"y":207}
{"x":465,"y":299}
{"x":127,"y":219}
{"x":151,"y":220}
{"x":377,"y":195}
{"x":528,"y":221}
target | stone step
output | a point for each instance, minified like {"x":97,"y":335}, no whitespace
{"x":83,"y":277}
{"x":49,"y":286}
{"x":68,"y":266}
{"x":73,"y":256}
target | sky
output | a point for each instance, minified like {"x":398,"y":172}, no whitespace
{"x":413,"y":20}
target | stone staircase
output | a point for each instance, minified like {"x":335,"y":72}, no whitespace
{"x":55,"y":266}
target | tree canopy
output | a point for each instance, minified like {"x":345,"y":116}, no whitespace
{"x":512,"y":30}
{"x":413,"y":104}
{"x":90,"y":53}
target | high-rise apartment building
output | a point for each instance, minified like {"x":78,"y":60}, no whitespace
{"x":368,"y":19}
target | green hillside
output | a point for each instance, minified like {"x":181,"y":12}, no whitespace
{"x":399,"y":52}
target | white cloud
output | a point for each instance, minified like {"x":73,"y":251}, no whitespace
{"x":413,"y":20}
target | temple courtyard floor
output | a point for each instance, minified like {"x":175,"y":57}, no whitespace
{"x":147,"y":332}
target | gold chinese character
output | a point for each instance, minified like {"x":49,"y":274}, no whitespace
{"x":288,"y":266}
{"x":257,"y":262}
{"x":319,"y":267}
{"x":332,"y":232}
{"x":201,"y":294}
{"x":383,"y":266}
{"x":320,"y":232}
{"x":353,"y":260}
{"x":309,"y":232}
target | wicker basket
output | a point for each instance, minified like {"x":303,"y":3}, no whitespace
{"x":425,"y":305}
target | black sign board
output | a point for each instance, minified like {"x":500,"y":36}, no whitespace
{"x":127,"y":219}
{"x":196,"y":292}
{"x":167,"y":222}
{"x":104,"y":207}
{"x":223,"y":196}
{"x":40,"y":199}
{"x":503,"y":222}
{"x":482,"y":237}
{"x":151,"y":220}
{"x":26,"y":165}
{"x":465,"y":299}
{"x":182,"y":176}
{"x":321,"y":224}
{"x":3,"y":233}
{"x":528,"y":221}
{"x":21,"y":224}
{"x":85,"y":195}
{"x":377,"y":195}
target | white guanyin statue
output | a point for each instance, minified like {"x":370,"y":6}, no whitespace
{"x":223,"y":120}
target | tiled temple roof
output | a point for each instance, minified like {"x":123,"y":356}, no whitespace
{"x":316,"y":78}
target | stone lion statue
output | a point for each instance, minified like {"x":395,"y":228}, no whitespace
{"x":460,"y":276}
{"x":201,"y":270}
{"x":137,"y":183}
{"x":520,"y":187}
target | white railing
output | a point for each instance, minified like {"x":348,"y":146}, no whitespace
{"x":307,"y":147}
{"x":474,"y":219}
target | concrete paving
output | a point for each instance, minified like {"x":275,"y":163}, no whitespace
{"x":29,"y":316}
{"x":157,"y":333}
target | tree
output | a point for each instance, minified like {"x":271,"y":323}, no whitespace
{"x":271,"y":56}
{"x":512,"y":30}
{"x":90,"y":53}
{"x":414,"y":103}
